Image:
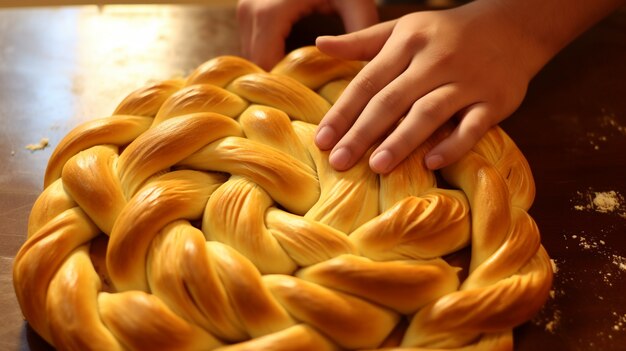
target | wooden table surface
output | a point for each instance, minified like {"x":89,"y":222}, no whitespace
{"x":62,"y":66}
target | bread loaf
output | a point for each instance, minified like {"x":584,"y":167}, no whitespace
{"x":201,"y":216}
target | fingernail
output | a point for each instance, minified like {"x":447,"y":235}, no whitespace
{"x":325,"y":137}
{"x":381,"y":161}
{"x":322,"y":37}
{"x":340,"y":159}
{"x":434,"y":162}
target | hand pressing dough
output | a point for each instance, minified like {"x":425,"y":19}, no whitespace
{"x":201,"y":215}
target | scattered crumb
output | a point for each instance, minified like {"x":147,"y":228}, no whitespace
{"x":550,"y":315}
{"x":607,"y":201}
{"x":610,"y":202}
{"x":619,"y":262}
{"x":606,"y":277}
{"x":584,"y":243}
{"x":620,"y":323}
{"x":606,"y":274}
{"x":615,"y":264}
{"x":596,"y":140}
{"x":609,"y":121}
{"x":554,"y":322}
{"x":610,"y":129}
{"x":43,"y":143}
{"x":555,"y":268}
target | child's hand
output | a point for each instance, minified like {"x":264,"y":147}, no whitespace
{"x":265,"y":24}
{"x":425,"y":68}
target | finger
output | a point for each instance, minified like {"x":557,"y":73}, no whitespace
{"x":475,"y":122}
{"x":385,"y":67}
{"x":358,"y":130}
{"x":380,"y":114}
{"x":341,"y":117}
{"x":357,"y":14}
{"x":244,"y":23}
{"x":388,"y":106}
{"x":425,"y":116}
{"x":362,"y":45}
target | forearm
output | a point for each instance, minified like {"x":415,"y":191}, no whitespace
{"x":547,"y":26}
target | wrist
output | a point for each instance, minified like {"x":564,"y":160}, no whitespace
{"x":544,"y":28}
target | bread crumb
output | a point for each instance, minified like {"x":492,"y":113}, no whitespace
{"x":615,"y":264}
{"x":619,"y":262}
{"x":549,"y":317}
{"x":554,"y":322}
{"x":611,"y":129}
{"x":620,"y":323}
{"x":606,"y":201}
{"x":610,"y":201}
{"x":609,"y":121}
{"x":550,"y":326}
{"x":43,"y":143}
{"x":555,"y":269}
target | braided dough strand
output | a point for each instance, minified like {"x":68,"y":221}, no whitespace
{"x":201,"y":215}
{"x":510,"y":273}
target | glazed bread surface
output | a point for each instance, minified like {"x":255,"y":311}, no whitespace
{"x":200,"y":215}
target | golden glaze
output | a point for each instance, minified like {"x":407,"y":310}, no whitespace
{"x":201,"y":215}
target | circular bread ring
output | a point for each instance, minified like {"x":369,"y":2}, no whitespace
{"x":202,"y":216}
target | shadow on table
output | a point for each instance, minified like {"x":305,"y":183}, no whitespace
{"x":31,"y":341}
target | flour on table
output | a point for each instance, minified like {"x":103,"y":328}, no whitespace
{"x":43,"y":143}
{"x":611,"y":202}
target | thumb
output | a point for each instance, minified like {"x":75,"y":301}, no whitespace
{"x":362,"y":45}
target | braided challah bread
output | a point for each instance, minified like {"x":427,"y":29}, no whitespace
{"x":201,"y":216}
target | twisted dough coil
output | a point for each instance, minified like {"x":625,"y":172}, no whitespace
{"x":200,"y":216}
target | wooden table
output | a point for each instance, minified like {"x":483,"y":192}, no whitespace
{"x":62,"y":66}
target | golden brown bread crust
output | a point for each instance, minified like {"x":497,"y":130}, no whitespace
{"x":200,"y":215}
